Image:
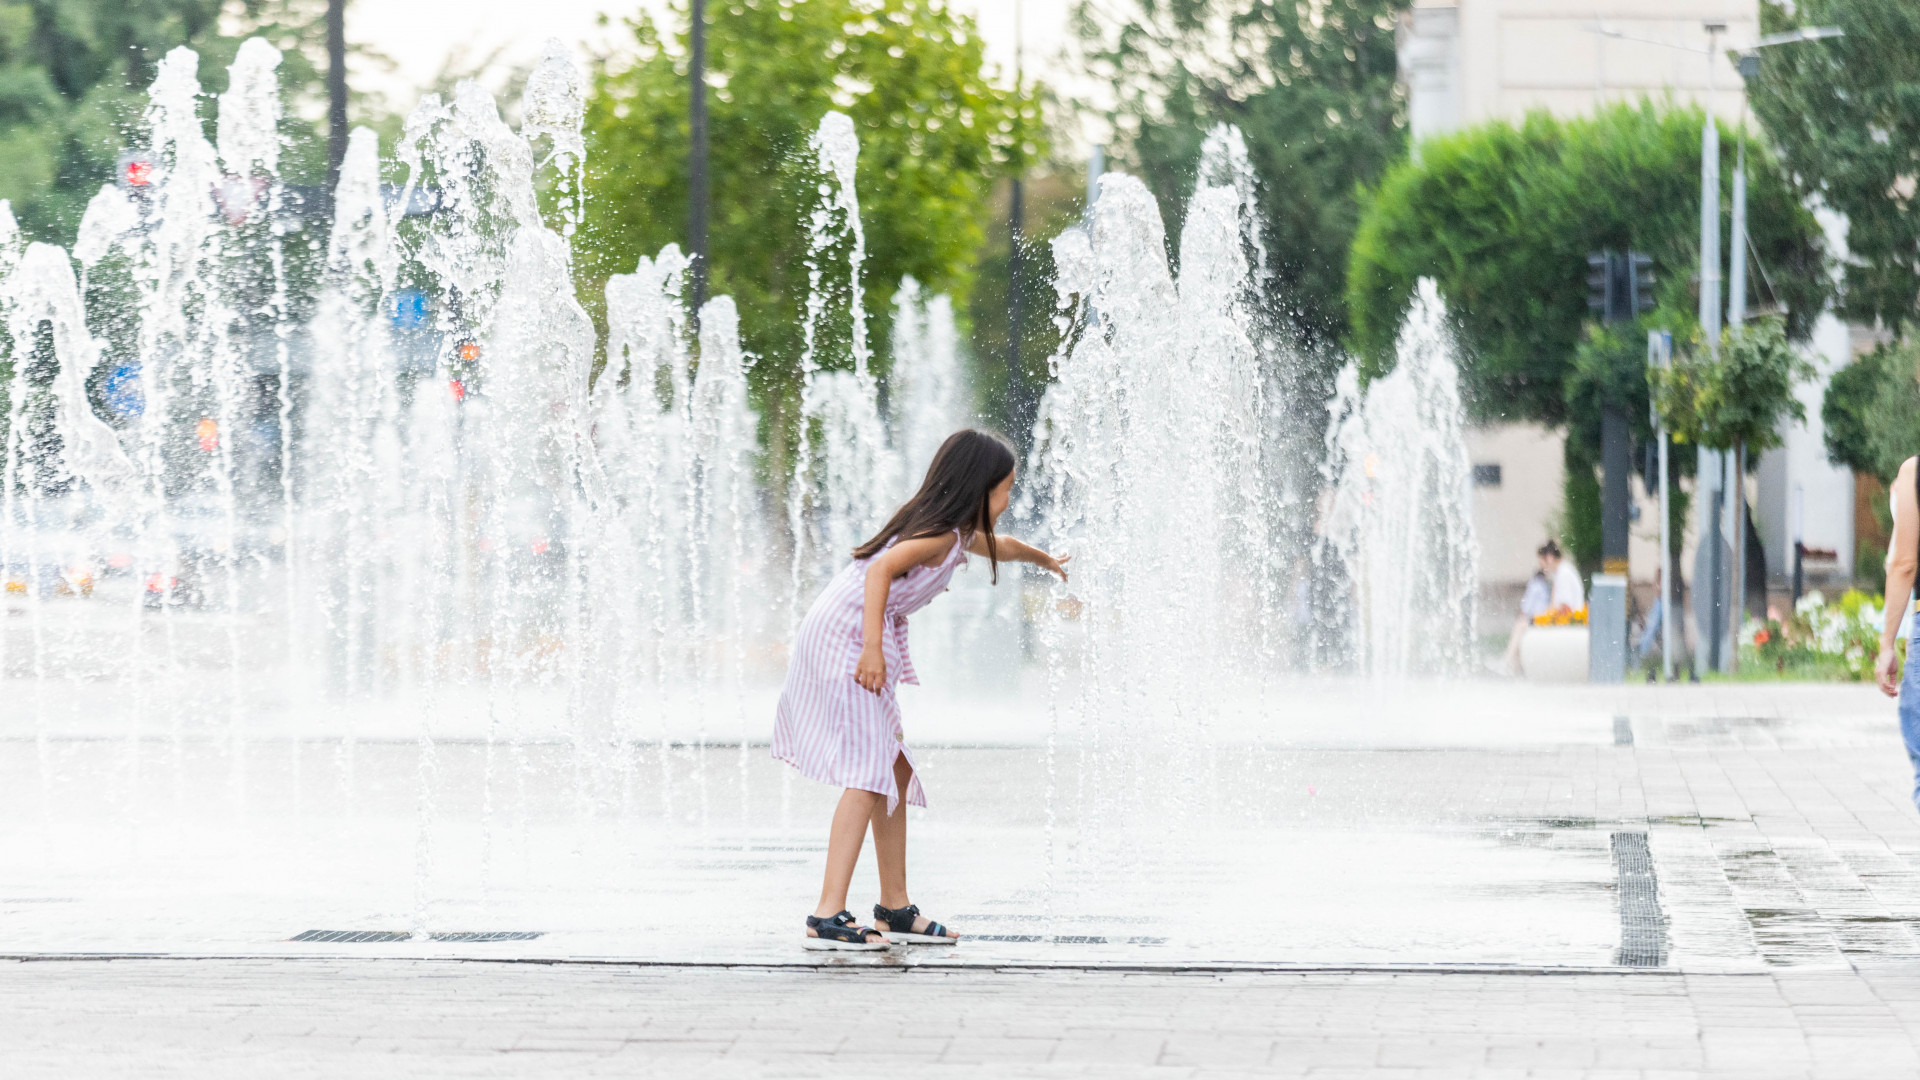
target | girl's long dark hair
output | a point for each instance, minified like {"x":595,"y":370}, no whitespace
{"x":965,"y":470}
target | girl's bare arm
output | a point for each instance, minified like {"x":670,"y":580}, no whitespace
{"x":871,"y":671}
{"x":1011,"y":550}
{"x":1901,"y":564}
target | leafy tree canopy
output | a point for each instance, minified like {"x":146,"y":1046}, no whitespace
{"x":1737,"y":398}
{"x":73,"y":82}
{"x":1313,"y":89}
{"x":1844,"y":115}
{"x":1503,"y":216}
{"x":934,"y":133}
{"x":1872,"y":411}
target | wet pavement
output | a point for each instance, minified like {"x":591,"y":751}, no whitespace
{"x":1775,"y":820}
{"x":1660,"y":878}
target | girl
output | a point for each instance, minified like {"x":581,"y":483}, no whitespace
{"x":838,"y":722}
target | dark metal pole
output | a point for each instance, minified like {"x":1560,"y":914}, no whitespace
{"x":1016,"y":373}
{"x":1616,"y":442}
{"x":336,"y":90}
{"x":1799,"y":571}
{"x":1607,"y":605}
{"x":697,"y":193}
{"x":1716,"y":567}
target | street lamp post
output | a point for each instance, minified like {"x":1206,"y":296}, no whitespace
{"x":697,"y":193}
{"x":1659,"y":355}
{"x":1719,"y":619}
{"x":1016,"y":225}
{"x":336,"y":91}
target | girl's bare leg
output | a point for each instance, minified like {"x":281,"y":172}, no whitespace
{"x":890,"y":846}
{"x":890,"y":839}
{"x":843,"y":847}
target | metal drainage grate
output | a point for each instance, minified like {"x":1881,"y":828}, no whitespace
{"x":355,"y":936}
{"x":1622,"y":731}
{"x":1643,"y":929}
{"x":1065,"y":939}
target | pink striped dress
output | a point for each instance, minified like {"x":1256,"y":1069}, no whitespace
{"x":831,"y":728}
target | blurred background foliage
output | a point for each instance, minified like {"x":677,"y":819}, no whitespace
{"x":1844,"y":118}
{"x":1312,"y":87}
{"x":1872,"y":410}
{"x":74,"y":77}
{"x":935,"y":133}
{"x":1502,"y":215}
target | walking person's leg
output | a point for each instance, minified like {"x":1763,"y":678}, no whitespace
{"x":1910,"y":717}
{"x":890,"y":852}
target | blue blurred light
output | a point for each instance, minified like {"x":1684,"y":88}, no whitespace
{"x":123,"y":393}
{"x":409,"y":309}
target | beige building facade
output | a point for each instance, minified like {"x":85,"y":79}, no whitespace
{"x":1465,"y":62}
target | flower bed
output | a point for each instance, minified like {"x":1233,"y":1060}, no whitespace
{"x":1562,"y":616}
{"x":1818,"y":641}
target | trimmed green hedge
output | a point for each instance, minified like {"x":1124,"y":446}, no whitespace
{"x":1502,"y":216}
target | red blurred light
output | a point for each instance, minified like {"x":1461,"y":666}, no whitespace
{"x":540,"y":545}
{"x":139,"y":173}
{"x":208,"y":431}
{"x":120,"y":560}
{"x":459,"y":389}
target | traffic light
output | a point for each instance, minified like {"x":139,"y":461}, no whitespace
{"x":1640,"y":281}
{"x":1619,"y":286}
{"x":1600,"y":283}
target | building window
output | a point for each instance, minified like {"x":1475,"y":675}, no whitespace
{"x":1486,"y":476}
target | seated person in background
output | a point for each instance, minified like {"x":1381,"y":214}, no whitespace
{"x":1537,"y":600}
{"x":1568,"y":593}
{"x":1650,"y":635}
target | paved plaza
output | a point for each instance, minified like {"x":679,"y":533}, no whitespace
{"x":367,"y":1018}
{"x":1455,"y":881}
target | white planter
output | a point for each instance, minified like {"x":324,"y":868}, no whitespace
{"x":1556,"y":654}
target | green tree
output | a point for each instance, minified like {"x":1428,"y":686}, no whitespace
{"x":1312,"y":87}
{"x":1609,"y":371}
{"x":1844,"y":115}
{"x":1503,"y":216}
{"x":1053,"y":203}
{"x":1872,"y":411}
{"x":934,"y":133}
{"x":1738,"y":398}
{"x":73,"y":82}
{"x":70,"y":71}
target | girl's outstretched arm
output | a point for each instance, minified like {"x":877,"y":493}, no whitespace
{"x":871,"y":671}
{"x":1012,"y":550}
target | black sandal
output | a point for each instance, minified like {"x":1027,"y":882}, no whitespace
{"x":899,"y":926}
{"x":841,"y":932}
